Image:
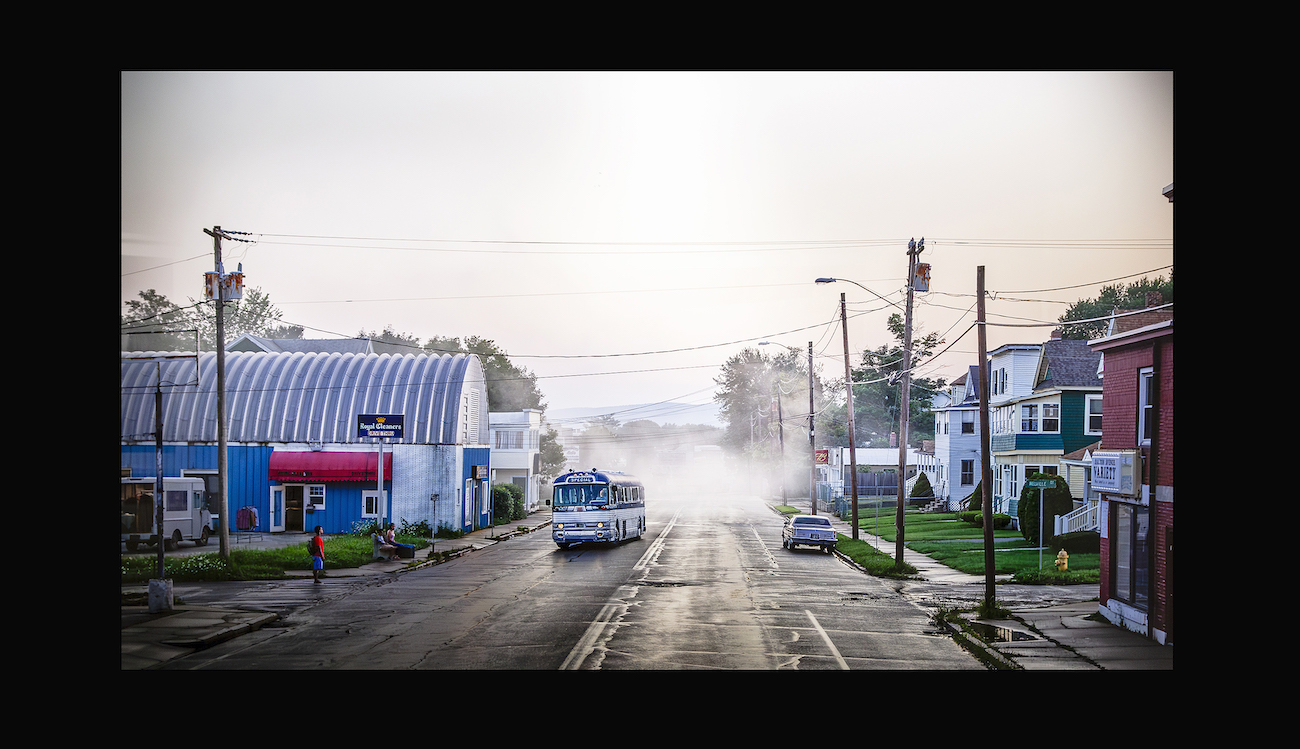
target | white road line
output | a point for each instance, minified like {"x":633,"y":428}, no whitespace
{"x":826,"y":638}
{"x":596,"y":630}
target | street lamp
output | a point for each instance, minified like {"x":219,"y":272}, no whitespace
{"x":860,"y":286}
{"x":812,"y":446}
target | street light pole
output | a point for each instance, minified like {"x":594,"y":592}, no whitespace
{"x":848,"y":388}
{"x":853,"y":445}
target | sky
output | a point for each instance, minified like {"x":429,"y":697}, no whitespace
{"x":622,"y":234}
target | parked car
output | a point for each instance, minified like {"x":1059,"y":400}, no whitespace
{"x":808,"y":530}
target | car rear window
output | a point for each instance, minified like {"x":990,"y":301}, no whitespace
{"x":811,"y":521}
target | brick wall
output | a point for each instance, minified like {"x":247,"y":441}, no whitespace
{"x":1119,"y":431}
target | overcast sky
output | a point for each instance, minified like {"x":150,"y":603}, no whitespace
{"x":622,"y":234}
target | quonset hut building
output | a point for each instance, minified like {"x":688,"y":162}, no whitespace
{"x":294,"y":460}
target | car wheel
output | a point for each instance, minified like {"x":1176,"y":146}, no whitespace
{"x":202,"y":540}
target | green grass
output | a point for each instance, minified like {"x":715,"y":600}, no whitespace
{"x":1011,"y":558}
{"x":341,"y":552}
{"x":932,"y":526}
{"x":874,"y":562}
{"x":945,"y":538}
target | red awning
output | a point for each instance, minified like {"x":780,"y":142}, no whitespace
{"x":326,"y":466}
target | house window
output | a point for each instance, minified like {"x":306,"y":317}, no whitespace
{"x":370,"y":504}
{"x":510,"y":440}
{"x":316,"y":497}
{"x":1131,"y":567}
{"x":967,"y":472}
{"x":1051,"y":417}
{"x":1146,"y":405}
{"x":967,"y":422}
{"x":1093,"y":425}
{"x":1029,"y":418}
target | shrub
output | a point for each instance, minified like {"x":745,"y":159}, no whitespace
{"x":976,"y":518}
{"x":1056,"y":501}
{"x":922,"y":487}
{"x":419,"y":530}
{"x":507,"y":503}
{"x":1079,"y":542}
{"x":976,"y":499}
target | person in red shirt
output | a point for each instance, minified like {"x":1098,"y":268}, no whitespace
{"x":316,"y":546}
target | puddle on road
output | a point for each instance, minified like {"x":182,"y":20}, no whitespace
{"x":999,"y":634}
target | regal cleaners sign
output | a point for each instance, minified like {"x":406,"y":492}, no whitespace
{"x":380,"y":425}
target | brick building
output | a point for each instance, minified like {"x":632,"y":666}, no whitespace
{"x":1137,"y":521}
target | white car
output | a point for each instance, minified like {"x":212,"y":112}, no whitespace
{"x":808,"y":530}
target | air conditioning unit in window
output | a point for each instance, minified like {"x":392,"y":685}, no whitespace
{"x":1117,"y":472}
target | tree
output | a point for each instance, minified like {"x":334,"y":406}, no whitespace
{"x":877,"y":390}
{"x":155,"y":312}
{"x":1132,"y":296}
{"x":254,"y":315}
{"x":552,"y":454}
{"x":749,"y":384}
{"x":1056,"y":501}
{"x":510,"y":387}
{"x":391,"y":341}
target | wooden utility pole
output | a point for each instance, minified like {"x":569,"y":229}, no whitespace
{"x":905,"y":406}
{"x":158,"y":491}
{"x":848,"y":387}
{"x":223,"y":525}
{"x":986,"y":468}
{"x":812,"y":444}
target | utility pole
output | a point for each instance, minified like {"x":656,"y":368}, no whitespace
{"x":848,"y":387}
{"x":914,"y":249}
{"x":158,"y":470}
{"x":780,"y":430}
{"x":812,"y":445}
{"x":986,"y":467}
{"x":222,"y":287}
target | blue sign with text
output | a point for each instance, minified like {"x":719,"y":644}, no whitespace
{"x":380,"y":425}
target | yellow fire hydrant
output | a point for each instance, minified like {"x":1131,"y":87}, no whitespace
{"x":1062,"y":561}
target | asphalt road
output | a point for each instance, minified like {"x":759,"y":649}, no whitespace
{"x":709,"y":587}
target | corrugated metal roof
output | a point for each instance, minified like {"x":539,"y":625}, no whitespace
{"x":302,"y":396}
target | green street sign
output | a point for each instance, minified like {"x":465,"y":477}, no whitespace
{"x":1040,"y":484}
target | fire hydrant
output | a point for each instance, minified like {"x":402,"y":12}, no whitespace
{"x":1062,"y":561}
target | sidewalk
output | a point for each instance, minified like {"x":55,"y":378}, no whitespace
{"x":150,"y":639}
{"x":1053,"y":637}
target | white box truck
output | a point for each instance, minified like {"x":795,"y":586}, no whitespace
{"x":185,"y":514}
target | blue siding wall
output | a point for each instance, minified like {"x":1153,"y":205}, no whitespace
{"x":477,"y":456}
{"x":248,"y":469}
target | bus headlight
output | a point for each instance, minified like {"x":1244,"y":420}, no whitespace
{"x":600,"y":525}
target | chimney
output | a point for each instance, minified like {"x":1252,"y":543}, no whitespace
{"x":1155,"y":299}
{"x":1056,"y":334}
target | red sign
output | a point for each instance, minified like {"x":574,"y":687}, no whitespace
{"x":823,"y":457}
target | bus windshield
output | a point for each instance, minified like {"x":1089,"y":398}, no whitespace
{"x":577,"y":496}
